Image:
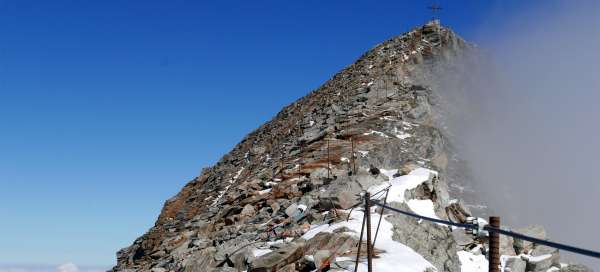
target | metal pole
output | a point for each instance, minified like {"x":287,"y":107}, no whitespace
{"x":328,"y":161}
{"x":494,"y":241}
{"x":281,"y":163}
{"x":352,"y":156}
{"x":369,"y":246}
{"x":362,"y":230}
{"x":381,"y":215}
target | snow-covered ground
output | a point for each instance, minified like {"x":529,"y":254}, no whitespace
{"x":396,"y":256}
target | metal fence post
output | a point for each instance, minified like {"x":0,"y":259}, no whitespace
{"x":362,"y":229}
{"x":369,"y":246}
{"x":494,"y":243}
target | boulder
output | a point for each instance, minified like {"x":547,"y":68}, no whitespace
{"x":507,"y":246}
{"x":291,"y":210}
{"x":322,"y":259}
{"x":200,"y":260}
{"x":575,"y":268}
{"x":342,"y":194}
{"x":279,"y":258}
{"x":248,"y":211}
{"x":538,"y":263}
{"x":541,"y":250}
{"x":514,"y":264}
{"x":536,"y":231}
{"x":434,"y":242}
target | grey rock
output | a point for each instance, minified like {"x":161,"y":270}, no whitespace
{"x":536,"y":231}
{"x":575,"y":268}
{"x":342,"y":194}
{"x":435,"y":243}
{"x":279,"y":258}
{"x":291,"y":210}
{"x":322,"y":258}
{"x":539,"y":263}
{"x":515,"y":264}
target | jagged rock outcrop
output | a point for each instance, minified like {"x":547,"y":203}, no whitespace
{"x":305,"y":168}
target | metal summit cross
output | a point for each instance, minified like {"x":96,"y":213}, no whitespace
{"x":435,"y":9}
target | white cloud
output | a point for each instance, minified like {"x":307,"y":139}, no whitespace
{"x":68,"y":267}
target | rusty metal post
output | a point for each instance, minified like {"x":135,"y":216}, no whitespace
{"x":352,"y":156}
{"x":494,"y":241}
{"x":369,"y":246}
{"x":381,"y":215}
{"x":328,"y":162}
{"x":281,"y":166}
{"x":362,"y":230}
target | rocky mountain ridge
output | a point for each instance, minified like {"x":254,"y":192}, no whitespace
{"x":284,"y":199}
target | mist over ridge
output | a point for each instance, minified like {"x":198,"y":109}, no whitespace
{"x":525,"y":119}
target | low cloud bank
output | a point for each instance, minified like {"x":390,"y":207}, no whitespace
{"x":529,"y":122}
{"x":67,"y":267}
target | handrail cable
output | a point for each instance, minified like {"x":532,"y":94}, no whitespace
{"x":489,"y":228}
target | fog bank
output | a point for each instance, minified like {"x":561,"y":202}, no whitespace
{"x":528,"y":124}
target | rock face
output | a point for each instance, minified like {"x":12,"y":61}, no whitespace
{"x":307,"y":167}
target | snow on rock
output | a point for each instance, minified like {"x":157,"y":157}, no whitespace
{"x":397,"y":256}
{"x":401,"y":134}
{"x":402,"y":183}
{"x":378,"y":133}
{"x":472,"y":263}
{"x":422,"y":207}
{"x":260,"y":251}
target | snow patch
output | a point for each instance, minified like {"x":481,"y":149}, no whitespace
{"x":397,"y":256}
{"x":400,"y":184}
{"x":363,"y":153}
{"x":470,"y":262}
{"x":378,"y":133}
{"x":423,"y":207}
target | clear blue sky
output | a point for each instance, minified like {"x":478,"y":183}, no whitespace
{"x":107,"y":108}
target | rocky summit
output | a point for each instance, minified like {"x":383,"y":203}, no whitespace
{"x":287,"y":197}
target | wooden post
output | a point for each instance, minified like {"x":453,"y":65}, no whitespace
{"x":494,"y":241}
{"x":369,"y":246}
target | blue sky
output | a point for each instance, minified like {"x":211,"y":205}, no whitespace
{"x":108,"y":108}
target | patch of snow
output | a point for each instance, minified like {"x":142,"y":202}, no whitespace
{"x":237,"y":175}
{"x":397,"y":256}
{"x":344,"y":159}
{"x":266,"y":191}
{"x":422,"y":207}
{"x":260,"y":252}
{"x":222,"y":193}
{"x":363,"y":153}
{"x":387,"y":118}
{"x":400,"y":134}
{"x":537,"y":258}
{"x":470,"y":262}
{"x":402,"y":183}
{"x":312,"y":123}
{"x":378,"y":133}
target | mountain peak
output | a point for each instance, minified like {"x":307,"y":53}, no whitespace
{"x":284,"y":197}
